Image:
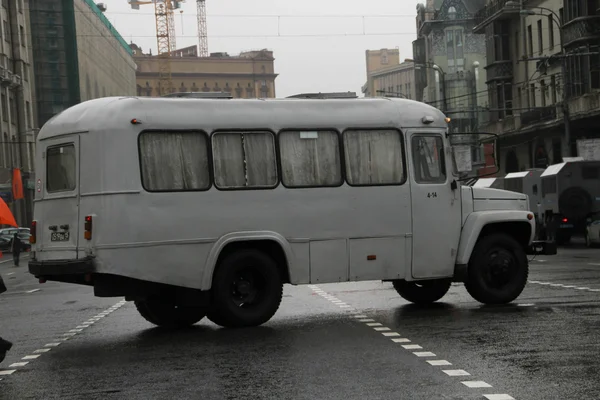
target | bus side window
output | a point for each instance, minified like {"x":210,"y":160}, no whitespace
{"x":310,"y":158}
{"x":374,"y":157}
{"x":428,"y":159}
{"x":174,"y":161}
{"x":244,"y":160}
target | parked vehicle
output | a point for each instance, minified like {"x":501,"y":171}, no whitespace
{"x":571,"y":195}
{"x":215,"y":204}
{"x":592,"y":233}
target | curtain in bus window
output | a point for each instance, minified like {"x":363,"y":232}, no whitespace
{"x":373,"y":157}
{"x":61,"y":168}
{"x":174,"y":161}
{"x":244,"y":159}
{"x":310,"y":158}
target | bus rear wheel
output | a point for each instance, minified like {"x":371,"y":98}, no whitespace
{"x":246,"y":291}
{"x":422,"y":292}
{"x":498,"y":270}
{"x":166,"y":314}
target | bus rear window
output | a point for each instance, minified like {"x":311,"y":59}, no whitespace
{"x":61,"y":171}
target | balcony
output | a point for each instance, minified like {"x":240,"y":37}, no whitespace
{"x":580,"y":30}
{"x":499,"y":71}
{"x":540,"y":114}
{"x":494,"y":10}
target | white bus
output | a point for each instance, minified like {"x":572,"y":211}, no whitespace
{"x":206,"y":207}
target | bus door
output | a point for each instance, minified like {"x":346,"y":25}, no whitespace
{"x":436,"y":206}
{"x":57,"y":199}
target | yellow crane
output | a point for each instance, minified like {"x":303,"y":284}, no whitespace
{"x":165,"y":37}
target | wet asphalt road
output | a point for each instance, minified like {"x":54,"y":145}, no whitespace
{"x":325,"y":342}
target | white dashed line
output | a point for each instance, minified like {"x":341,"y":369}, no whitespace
{"x":455,"y":372}
{"x":476,"y":384}
{"x":439,"y":362}
{"x":498,"y":397}
{"x":393,"y":336}
{"x":424,"y":354}
{"x":526,"y":305}
{"x":65,"y":336}
{"x":563,"y":286}
{"x":596,"y":264}
{"x":32,"y":291}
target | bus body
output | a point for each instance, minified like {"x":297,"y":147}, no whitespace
{"x":193,"y":206}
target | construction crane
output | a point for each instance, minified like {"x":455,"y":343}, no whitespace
{"x":202,"y":31}
{"x":165,"y":37}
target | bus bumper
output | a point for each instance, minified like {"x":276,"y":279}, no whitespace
{"x":53,"y":268}
{"x":546,"y":248}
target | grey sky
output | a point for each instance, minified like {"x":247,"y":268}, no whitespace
{"x":324,"y":62}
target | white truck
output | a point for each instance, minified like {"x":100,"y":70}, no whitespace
{"x":207,"y":207}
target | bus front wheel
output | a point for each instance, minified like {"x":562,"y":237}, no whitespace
{"x":498,"y":270}
{"x":166,"y":314}
{"x":246,"y":291}
{"x":422,"y":292}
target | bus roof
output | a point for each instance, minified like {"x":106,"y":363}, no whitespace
{"x":210,"y":114}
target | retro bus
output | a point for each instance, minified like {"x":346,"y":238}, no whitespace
{"x":196,"y":208}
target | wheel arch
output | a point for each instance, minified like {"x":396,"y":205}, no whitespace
{"x":271,"y":243}
{"x":480,"y":224}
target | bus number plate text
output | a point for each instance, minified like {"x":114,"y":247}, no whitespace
{"x":59,"y":236}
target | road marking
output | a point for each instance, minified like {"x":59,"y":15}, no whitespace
{"x":385,"y":331}
{"x":541,"y":260}
{"x":7,"y":371}
{"x":18,"y":364}
{"x":563,"y":286}
{"x":42,"y":350}
{"x":411,"y":346}
{"x":526,"y":305}
{"x":438,"y":362}
{"x":10,"y":273}
{"x":31,"y":357}
{"x":455,"y":372}
{"x":51,"y":344}
{"x":32,"y":291}
{"x":597,"y":264}
{"x":424,"y":354}
{"x":476,"y":384}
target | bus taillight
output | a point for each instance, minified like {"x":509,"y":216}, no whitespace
{"x":87,"y":234}
{"x":33,"y":232}
{"x":565,"y":220}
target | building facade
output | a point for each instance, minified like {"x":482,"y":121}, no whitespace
{"x":543,"y":77}
{"x":449,"y":60}
{"x":16,"y":106}
{"x":249,"y":75}
{"x":387,"y":77}
{"x":79,"y":56}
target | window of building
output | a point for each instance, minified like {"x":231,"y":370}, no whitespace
{"x":6,"y":32}
{"x":61,"y":168}
{"x":551,"y":32}
{"x":530,"y":39}
{"x":244,"y":160}
{"x":13,"y":110}
{"x":22,"y":37}
{"x":28,"y":113}
{"x":428,"y":159}
{"x":373,"y":157}
{"x":532,"y":95}
{"x":520,"y":99}
{"x":4,"y":108}
{"x":543,"y":93}
{"x":174,"y":161}
{"x":310,"y":158}
{"x":553,"y":88}
{"x":455,"y":49}
{"x":540,"y":37}
{"x":517,"y":45}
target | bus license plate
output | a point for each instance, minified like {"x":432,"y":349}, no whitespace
{"x":59,"y":236}
{"x":566,"y":226}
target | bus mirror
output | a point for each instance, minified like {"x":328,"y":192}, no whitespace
{"x":474,"y":154}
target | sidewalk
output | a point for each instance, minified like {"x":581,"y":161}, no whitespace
{"x":6,"y":261}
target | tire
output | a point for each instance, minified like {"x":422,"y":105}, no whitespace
{"x":588,"y":242}
{"x":168,"y":315}
{"x":563,"y":238}
{"x":498,"y":270}
{"x":246,"y":290}
{"x":422,"y":292}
